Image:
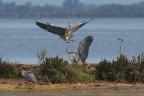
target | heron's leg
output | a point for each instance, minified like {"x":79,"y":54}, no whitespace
{"x":67,"y":42}
{"x":29,"y":85}
{"x":73,"y":40}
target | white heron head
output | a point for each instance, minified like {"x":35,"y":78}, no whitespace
{"x":23,"y":72}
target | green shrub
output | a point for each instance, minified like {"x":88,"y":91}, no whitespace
{"x":58,"y":70}
{"x":7,"y":70}
{"x":73,"y":73}
{"x":104,"y":71}
{"x":122,"y":69}
{"x":55,"y":69}
{"x":42,"y":54}
{"x":87,"y":76}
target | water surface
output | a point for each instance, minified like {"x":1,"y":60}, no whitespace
{"x":21,"y":39}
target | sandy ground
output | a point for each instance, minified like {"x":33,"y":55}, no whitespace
{"x":19,"y":87}
{"x":123,"y":91}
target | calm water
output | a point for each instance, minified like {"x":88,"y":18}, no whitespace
{"x":20,"y":39}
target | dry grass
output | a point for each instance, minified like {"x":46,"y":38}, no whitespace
{"x":22,"y":85}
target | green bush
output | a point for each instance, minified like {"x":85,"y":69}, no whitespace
{"x":73,"y":73}
{"x":57,"y":70}
{"x":7,"y":70}
{"x":86,"y":76}
{"x":42,"y":54}
{"x":104,"y":71}
{"x":121,"y":70}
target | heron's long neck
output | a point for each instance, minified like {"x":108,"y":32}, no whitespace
{"x":67,"y":51}
{"x":69,"y":27}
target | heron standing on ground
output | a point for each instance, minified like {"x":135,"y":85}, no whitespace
{"x":64,"y":33}
{"x":29,"y":76}
{"x":82,"y":51}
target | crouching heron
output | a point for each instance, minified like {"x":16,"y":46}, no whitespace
{"x":82,"y":51}
{"x":64,"y":33}
{"x":29,"y":76}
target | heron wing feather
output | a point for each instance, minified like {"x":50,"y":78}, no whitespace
{"x":79,"y":25}
{"x":30,"y":76}
{"x":51,"y":28}
{"x":83,"y":48}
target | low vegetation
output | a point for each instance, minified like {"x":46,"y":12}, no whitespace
{"x":7,"y":70}
{"x":123,"y":69}
{"x":58,"y":70}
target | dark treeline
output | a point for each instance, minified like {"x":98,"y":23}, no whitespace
{"x":70,"y":8}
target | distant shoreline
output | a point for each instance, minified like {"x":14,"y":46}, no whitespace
{"x":70,"y":10}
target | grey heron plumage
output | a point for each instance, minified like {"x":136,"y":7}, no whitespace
{"x":121,"y":41}
{"x":29,"y":76}
{"x":72,"y":56}
{"x":64,"y":33}
{"x":82,"y":51}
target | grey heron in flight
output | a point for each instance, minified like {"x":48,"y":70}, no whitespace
{"x":29,"y":76}
{"x":82,"y":51}
{"x":64,"y":33}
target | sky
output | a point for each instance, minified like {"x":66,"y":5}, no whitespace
{"x":59,"y":2}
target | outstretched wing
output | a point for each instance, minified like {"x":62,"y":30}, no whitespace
{"x":79,"y":25}
{"x":50,"y":28}
{"x":83,"y":48}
